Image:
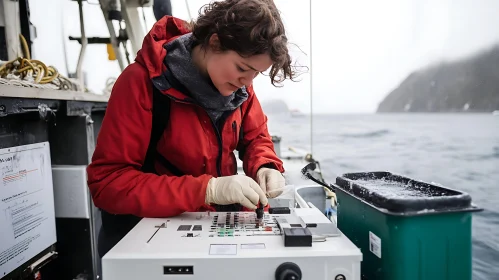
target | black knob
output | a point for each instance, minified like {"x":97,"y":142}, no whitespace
{"x":288,"y":271}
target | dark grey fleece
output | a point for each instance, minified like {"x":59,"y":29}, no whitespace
{"x":201,"y":89}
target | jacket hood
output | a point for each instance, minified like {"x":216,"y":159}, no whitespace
{"x":153,"y":52}
{"x":166,"y":52}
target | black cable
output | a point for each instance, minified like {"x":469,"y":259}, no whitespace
{"x":306,"y":172}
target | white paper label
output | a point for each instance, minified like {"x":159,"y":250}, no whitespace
{"x":27,"y":216}
{"x":253,"y":246}
{"x":223,"y":249}
{"x":375,"y":244}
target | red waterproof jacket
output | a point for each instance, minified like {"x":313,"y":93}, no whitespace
{"x":190,"y":141}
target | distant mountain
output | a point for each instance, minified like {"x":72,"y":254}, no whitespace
{"x":470,"y":85}
{"x":275,"y":106}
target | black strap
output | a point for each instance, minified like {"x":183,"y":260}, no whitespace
{"x":160,"y":118}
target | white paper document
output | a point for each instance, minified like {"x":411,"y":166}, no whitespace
{"x":27,"y":216}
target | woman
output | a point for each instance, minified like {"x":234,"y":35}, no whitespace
{"x":205,"y":71}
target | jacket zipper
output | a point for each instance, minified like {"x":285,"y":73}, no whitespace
{"x":236,"y":140}
{"x":219,"y":136}
{"x":234,"y":130}
{"x":223,"y":119}
{"x":219,"y":157}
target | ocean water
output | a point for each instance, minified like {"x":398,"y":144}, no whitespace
{"x":459,"y":151}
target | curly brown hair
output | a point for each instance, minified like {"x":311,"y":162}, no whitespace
{"x":248,"y":27}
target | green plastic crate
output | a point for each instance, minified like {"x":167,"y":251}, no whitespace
{"x":406,"y":229}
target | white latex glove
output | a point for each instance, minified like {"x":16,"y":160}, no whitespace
{"x":271,"y":181}
{"x":235,"y":189}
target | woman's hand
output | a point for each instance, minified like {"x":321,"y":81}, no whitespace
{"x":271,"y":181}
{"x":235,"y":189}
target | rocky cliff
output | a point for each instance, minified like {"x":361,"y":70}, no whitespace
{"x":275,"y":106}
{"x":469,"y":85}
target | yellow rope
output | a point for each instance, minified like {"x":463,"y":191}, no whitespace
{"x":25,"y":66}
{"x":25,"y":46}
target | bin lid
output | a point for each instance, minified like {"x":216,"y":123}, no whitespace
{"x":402,"y":195}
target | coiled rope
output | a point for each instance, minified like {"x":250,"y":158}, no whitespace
{"x":24,"y":71}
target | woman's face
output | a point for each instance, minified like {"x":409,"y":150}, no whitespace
{"x":229,"y":71}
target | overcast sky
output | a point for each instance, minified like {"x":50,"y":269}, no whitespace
{"x":361,"y":50}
